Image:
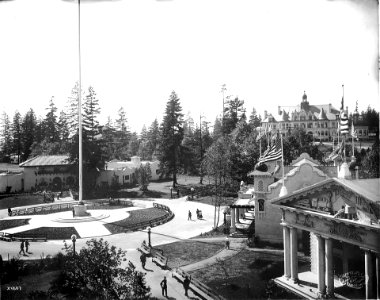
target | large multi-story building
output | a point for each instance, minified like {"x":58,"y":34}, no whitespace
{"x":321,"y":121}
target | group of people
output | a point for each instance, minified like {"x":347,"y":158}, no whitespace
{"x":199,"y":214}
{"x":24,"y":246}
{"x":164,"y":286}
{"x":164,"y":283}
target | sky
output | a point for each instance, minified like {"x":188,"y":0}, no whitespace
{"x":136,"y":52}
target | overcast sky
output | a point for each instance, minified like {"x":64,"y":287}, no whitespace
{"x":135,"y":52}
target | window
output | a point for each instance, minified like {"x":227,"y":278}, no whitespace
{"x":260,"y":186}
{"x":261,"y":204}
{"x":157,"y":172}
{"x":126,"y":177}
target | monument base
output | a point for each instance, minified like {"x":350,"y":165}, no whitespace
{"x":80,"y":210}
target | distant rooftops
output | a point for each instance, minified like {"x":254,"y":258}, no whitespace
{"x":47,"y":160}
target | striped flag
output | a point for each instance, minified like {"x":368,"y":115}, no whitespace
{"x":274,"y":151}
{"x":354,"y":134}
{"x":343,"y":123}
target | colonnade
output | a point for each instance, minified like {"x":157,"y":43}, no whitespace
{"x":325,"y":270}
{"x":235,"y":212}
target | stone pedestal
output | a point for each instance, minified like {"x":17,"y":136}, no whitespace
{"x":80,"y":210}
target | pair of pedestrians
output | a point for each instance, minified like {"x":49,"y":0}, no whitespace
{"x":164,"y":286}
{"x":24,"y":244}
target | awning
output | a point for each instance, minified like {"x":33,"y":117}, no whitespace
{"x":243,"y":203}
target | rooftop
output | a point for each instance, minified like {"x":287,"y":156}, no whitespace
{"x":47,"y":160}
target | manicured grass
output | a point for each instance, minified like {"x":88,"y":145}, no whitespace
{"x":188,"y":252}
{"x":6,"y":224}
{"x":52,"y":233}
{"x":136,"y":216}
{"x":246,"y":276}
{"x":21,"y":200}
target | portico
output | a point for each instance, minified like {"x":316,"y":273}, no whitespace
{"x":341,"y":239}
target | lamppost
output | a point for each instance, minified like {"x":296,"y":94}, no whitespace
{"x":74,"y":239}
{"x":171,"y":192}
{"x":192,"y":193}
{"x":149,"y":231}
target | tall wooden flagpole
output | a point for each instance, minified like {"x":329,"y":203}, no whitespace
{"x":80,"y":111}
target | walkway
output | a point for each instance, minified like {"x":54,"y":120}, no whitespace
{"x":179,"y":228}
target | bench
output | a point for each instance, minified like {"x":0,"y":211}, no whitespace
{"x":144,"y":248}
{"x":198,"y":288}
{"x":160,"y":260}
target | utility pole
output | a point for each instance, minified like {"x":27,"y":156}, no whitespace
{"x":223,"y":90}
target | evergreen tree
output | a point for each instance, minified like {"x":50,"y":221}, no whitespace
{"x":91,"y":111}
{"x":122,"y":135}
{"x":144,"y":174}
{"x":72,"y":110}
{"x":171,"y":137}
{"x":218,"y":130}
{"x":64,"y":132}
{"x":29,"y":125}
{"x":232,"y":114}
{"x":153,"y":139}
{"x":50,"y":124}
{"x":17,"y":136}
{"x":143,"y":151}
{"x":254,"y":119}
{"x":7,"y":142}
{"x":133,"y":146}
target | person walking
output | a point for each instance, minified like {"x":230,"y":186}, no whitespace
{"x":27,"y":246}
{"x":143,"y":260}
{"x":164,"y":287}
{"x":22,"y":248}
{"x":189,"y":215}
{"x":227,"y":243}
{"x":186,"y":285}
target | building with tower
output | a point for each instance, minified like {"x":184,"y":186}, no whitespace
{"x":321,"y":121}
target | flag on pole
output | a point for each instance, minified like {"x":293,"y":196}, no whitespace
{"x":336,"y":152}
{"x":343,"y":123}
{"x":354,"y":134}
{"x":274,"y":150}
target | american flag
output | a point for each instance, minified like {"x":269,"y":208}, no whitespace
{"x":261,"y":135}
{"x":343,"y":123}
{"x":354,"y":134}
{"x":274,"y":150}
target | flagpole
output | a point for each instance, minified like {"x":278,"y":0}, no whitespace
{"x":352,"y":135}
{"x":80,"y":196}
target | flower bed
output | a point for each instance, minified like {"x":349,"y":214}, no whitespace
{"x":6,"y":224}
{"x":136,"y":216}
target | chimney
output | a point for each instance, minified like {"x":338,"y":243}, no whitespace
{"x":279,"y":110}
{"x":265,"y":114}
{"x":330,"y":107}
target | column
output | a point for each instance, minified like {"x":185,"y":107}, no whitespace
{"x":329,"y":268}
{"x":344,"y":258}
{"x":321,"y":266}
{"x":236,"y":215}
{"x":368,"y":274}
{"x":233,"y":228}
{"x":293,"y":254}
{"x":286,"y":237}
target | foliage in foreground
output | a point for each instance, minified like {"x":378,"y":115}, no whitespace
{"x":96,"y":273}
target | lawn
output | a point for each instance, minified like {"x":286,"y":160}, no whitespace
{"x":21,"y":200}
{"x":136,"y":216}
{"x":6,"y":224}
{"x":246,"y":276}
{"x":188,"y":252}
{"x":51,"y":233}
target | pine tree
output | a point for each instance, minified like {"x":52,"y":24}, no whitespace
{"x":17,"y":136}
{"x":232,"y":114}
{"x":72,"y":110}
{"x":91,"y":111}
{"x":63,"y":129}
{"x":143,"y":151}
{"x":122,"y":135}
{"x":254,"y":120}
{"x":50,"y":123}
{"x":29,"y":125}
{"x":171,"y":138}
{"x":153,"y":139}
{"x":7,"y":142}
